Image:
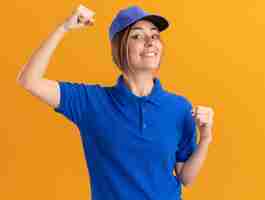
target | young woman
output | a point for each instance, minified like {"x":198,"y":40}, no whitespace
{"x":134,"y":133}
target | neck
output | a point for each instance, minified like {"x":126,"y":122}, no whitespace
{"x":140,"y":85}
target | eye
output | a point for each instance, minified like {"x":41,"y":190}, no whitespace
{"x":156,"y":36}
{"x":137,"y":36}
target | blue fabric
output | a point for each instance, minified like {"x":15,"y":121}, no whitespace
{"x":132,"y":14}
{"x":131,"y":143}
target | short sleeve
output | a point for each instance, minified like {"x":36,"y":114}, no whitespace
{"x":75,"y":100}
{"x":188,"y":140}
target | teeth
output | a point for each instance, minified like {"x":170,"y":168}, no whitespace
{"x":149,"y":54}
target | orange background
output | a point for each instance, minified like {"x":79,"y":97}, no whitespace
{"x":214,"y":55}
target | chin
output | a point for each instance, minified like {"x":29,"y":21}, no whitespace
{"x":147,"y":66}
{"x":152,"y":65}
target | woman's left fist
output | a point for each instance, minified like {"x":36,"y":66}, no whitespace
{"x":204,"y":120}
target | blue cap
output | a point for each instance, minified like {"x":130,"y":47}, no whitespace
{"x":132,"y":14}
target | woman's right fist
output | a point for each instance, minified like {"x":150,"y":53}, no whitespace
{"x":80,"y":17}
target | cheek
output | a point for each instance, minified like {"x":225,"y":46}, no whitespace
{"x":134,"y":51}
{"x":160,"y":46}
{"x":161,"y":50}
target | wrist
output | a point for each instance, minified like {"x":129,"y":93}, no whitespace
{"x":64,"y":28}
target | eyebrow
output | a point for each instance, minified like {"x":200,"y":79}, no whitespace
{"x":139,"y":28}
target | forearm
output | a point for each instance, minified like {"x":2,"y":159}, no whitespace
{"x":193,"y":165}
{"x":38,"y":62}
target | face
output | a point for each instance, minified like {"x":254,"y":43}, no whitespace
{"x":144,"y":46}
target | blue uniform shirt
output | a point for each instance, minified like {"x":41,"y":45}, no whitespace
{"x":131,"y":143}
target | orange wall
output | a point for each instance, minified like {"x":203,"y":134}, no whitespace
{"x":214,"y":56}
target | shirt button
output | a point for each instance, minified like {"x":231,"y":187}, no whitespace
{"x":144,"y":125}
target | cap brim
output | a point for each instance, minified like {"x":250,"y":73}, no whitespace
{"x":160,"y":22}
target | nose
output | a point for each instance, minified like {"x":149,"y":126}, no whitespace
{"x":149,"y":41}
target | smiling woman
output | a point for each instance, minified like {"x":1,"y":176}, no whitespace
{"x":134,"y":43}
{"x":135,"y":132}
{"x":144,"y":46}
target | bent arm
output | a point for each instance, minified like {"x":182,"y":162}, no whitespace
{"x":188,"y":170}
{"x":31,"y":75}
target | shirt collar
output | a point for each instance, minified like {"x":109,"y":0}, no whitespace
{"x":125,"y":95}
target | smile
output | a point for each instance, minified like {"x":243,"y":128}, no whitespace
{"x":150,"y":54}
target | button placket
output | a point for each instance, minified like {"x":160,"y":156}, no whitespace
{"x":143,"y":109}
